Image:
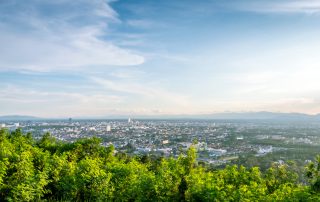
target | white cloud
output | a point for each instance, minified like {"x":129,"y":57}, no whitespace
{"x":58,"y":103}
{"x":20,"y":100}
{"x":161,"y":97}
{"x":281,"y":6}
{"x":140,"y":23}
{"x":68,"y":39}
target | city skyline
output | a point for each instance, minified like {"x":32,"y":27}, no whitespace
{"x":96,"y":58}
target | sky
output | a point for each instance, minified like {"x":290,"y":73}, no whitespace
{"x":95,"y":58}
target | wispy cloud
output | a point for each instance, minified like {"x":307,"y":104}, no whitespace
{"x":55,"y":103}
{"x":59,"y":103}
{"x":27,"y":95}
{"x":279,"y":6}
{"x":161,"y":96}
{"x":55,"y":35}
{"x":140,"y":23}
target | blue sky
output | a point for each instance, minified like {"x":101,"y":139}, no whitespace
{"x":68,"y":58}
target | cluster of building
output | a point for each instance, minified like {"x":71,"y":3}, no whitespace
{"x":216,"y":141}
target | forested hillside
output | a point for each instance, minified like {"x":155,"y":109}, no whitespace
{"x":50,"y":170}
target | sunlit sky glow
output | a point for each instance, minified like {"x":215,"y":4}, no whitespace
{"x":66,"y":58}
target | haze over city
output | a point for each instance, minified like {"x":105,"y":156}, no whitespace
{"x":95,"y":58}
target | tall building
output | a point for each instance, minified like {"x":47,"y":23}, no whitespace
{"x":108,"y":128}
{"x":129,"y":120}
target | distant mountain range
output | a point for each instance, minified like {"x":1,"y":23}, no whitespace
{"x":225,"y":115}
{"x":260,"y":116}
{"x":242,"y":116}
{"x":18,"y":118}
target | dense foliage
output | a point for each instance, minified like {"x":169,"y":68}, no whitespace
{"x":49,"y":170}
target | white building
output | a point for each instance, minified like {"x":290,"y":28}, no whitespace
{"x":92,"y":129}
{"x":108,"y":128}
{"x":265,"y":150}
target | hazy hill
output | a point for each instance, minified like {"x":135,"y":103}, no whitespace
{"x":226,"y":115}
{"x":261,"y":115}
{"x":18,"y":118}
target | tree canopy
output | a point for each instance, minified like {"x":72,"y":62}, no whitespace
{"x":51,"y":170}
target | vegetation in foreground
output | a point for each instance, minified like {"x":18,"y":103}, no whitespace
{"x":49,"y":170}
